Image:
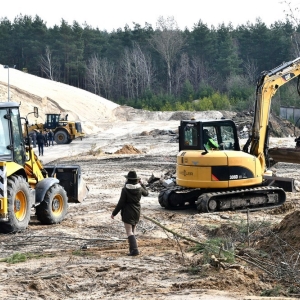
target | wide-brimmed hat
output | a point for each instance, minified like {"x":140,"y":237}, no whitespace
{"x":132,"y":176}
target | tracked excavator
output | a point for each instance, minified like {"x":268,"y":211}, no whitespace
{"x":214,"y":174}
{"x":64,"y":131}
{"x":26,"y":184}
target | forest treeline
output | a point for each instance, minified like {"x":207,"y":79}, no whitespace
{"x":161,"y":68}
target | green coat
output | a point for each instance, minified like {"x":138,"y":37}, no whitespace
{"x":129,"y":203}
{"x":211,"y":144}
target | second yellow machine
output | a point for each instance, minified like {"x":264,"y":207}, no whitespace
{"x":64,"y":131}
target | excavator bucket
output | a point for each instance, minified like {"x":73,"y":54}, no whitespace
{"x":70,"y":178}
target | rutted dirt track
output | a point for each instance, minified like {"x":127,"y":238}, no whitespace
{"x":84,"y":257}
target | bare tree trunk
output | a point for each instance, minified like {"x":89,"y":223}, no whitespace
{"x":291,"y":14}
{"x":168,"y":41}
{"x":92,"y":74}
{"x":100,"y":75}
{"x":200,"y":73}
{"x":106,"y":72}
{"x":251,"y":69}
{"x":182,"y":73}
{"x":48,"y":66}
{"x":138,"y":72}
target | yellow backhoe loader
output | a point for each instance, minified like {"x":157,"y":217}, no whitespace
{"x":25,"y":183}
{"x":218,"y":175}
{"x":64,"y":131}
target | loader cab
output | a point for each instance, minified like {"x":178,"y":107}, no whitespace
{"x":52,"y":121}
{"x":208,"y":134}
{"x":12,"y":146}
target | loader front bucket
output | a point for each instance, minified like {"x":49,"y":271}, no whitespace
{"x":70,"y":178}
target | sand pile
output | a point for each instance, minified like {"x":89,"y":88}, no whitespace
{"x":128,"y":149}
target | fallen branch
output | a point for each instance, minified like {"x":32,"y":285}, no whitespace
{"x":254,"y":264}
{"x":197,"y":242}
{"x":50,"y":276}
{"x":173,"y":232}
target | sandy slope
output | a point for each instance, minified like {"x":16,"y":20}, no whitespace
{"x":96,"y":113}
{"x":50,"y":96}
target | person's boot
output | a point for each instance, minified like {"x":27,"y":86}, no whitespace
{"x":133,"y":248}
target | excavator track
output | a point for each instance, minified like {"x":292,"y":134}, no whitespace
{"x":178,"y":197}
{"x":256,"y":198}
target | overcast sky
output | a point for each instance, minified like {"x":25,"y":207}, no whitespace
{"x":114,"y":14}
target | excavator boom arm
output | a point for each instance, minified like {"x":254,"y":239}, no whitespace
{"x":267,"y":85}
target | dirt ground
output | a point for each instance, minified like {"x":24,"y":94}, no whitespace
{"x":84,"y":257}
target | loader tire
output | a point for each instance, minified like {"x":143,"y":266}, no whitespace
{"x":54,"y":207}
{"x":18,"y":205}
{"x":61,"y":137}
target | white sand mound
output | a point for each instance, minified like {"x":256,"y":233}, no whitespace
{"x":54,"y":97}
{"x":95,"y":113}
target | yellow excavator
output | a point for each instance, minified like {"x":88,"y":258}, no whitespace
{"x":25,"y":183}
{"x":64,"y":131}
{"x":214,"y":174}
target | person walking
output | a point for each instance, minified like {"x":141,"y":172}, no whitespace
{"x":40,"y":138}
{"x":130,"y":207}
{"x":34,"y":139}
{"x":46,"y":138}
{"x":50,"y":137}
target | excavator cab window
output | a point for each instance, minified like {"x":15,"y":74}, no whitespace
{"x":189,"y":135}
{"x":210,"y":139}
{"x":220,"y":135}
{"x":227,"y":138}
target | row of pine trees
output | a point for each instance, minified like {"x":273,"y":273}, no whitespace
{"x":161,"y":68}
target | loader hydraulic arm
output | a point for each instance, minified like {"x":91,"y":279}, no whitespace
{"x":267,"y":85}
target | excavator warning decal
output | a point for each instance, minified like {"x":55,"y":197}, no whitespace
{"x":288,"y":76}
{"x":214,"y":178}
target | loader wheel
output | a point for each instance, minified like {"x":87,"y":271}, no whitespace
{"x":18,"y":204}
{"x":61,"y":137}
{"x":53,"y":208}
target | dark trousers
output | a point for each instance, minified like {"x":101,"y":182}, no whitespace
{"x":41,"y":149}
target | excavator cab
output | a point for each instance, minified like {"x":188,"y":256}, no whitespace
{"x":208,"y":135}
